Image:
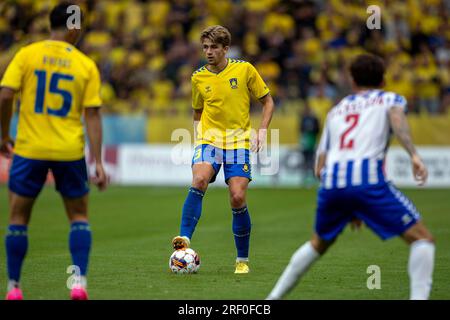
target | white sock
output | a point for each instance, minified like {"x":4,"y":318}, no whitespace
{"x":80,"y":281}
{"x":420,"y":269}
{"x":13,"y":284}
{"x":239,"y":259}
{"x":83,"y":282}
{"x":300,"y":262}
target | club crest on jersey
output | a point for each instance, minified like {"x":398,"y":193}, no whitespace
{"x":233,"y":83}
{"x":208,"y":89}
{"x":245,"y":168}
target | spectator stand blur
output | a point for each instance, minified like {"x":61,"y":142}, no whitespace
{"x":147,"y":50}
{"x":309,"y":131}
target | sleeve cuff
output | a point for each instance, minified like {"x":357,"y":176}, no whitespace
{"x":265,"y":94}
{"x":7,"y":85}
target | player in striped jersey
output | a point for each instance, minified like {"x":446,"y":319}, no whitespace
{"x":354,"y":187}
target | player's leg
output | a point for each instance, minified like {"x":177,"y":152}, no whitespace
{"x":80,"y":242}
{"x":388,"y":212}
{"x":204,"y":171}
{"x":237,"y":172}
{"x":80,"y":237}
{"x":241,"y":223}
{"x":300,"y":262}
{"x":71,"y":182}
{"x":26,"y":178}
{"x":421,"y":260}
{"x":17,"y":241}
{"x":331,"y":219}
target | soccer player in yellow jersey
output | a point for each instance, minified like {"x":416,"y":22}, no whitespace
{"x":57,"y":84}
{"x":221,"y":93}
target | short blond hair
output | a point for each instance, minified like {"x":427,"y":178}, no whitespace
{"x":217,"y":34}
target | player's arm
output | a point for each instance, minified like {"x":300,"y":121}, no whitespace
{"x":197,"y":106}
{"x":320,"y":163}
{"x":400,"y":126}
{"x":260,"y":90}
{"x":93,"y":120}
{"x":268,"y":107}
{"x":197,"y":115}
{"x":10,"y":84}
{"x":6,"y":107}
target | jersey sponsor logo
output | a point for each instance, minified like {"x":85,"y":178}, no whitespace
{"x":233,"y":83}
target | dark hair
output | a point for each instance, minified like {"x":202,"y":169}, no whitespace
{"x":217,"y":34}
{"x":367,"y":70}
{"x":59,"y":15}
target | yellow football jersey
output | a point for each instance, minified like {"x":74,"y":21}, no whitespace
{"x":55,"y":81}
{"x":225,"y":100}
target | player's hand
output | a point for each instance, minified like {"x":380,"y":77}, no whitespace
{"x":420,"y":171}
{"x":356,"y":224}
{"x":101,"y":180}
{"x":258,"y":142}
{"x":7,"y":148}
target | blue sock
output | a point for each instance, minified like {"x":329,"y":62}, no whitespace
{"x":16,"y":247}
{"x":80,"y":240}
{"x":241,"y":230}
{"x":192,"y":211}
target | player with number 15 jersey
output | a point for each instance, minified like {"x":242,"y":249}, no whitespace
{"x":56,"y":85}
{"x":57,"y":81}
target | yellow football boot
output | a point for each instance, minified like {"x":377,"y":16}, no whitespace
{"x":242,"y":267}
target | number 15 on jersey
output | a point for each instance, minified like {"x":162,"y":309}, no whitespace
{"x":55,"y":79}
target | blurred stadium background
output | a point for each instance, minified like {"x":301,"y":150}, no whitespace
{"x":146,"y":52}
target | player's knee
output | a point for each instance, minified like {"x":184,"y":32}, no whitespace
{"x":200,"y":182}
{"x":78,"y":218}
{"x":320,"y":245}
{"x":417,"y":232}
{"x":19,"y":220}
{"x":20,"y":211}
{"x":426,"y":237}
{"x":237,"y":199}
{"x":76,"y":208}
{"x":19,"y":215}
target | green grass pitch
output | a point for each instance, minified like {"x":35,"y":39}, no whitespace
{"x":132,"y":228}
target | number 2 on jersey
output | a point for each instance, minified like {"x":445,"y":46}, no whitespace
{"x":40,"y":93}
{"x":353,"y":120}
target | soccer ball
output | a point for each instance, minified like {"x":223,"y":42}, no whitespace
{"x":184,"y":261}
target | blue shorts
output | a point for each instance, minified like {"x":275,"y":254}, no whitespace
{"x":382,"y":207}
{"x":27,"y":177}
{"x":236,"y":162}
